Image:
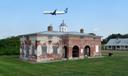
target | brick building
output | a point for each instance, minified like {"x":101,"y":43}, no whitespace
{"x":58,"y":45}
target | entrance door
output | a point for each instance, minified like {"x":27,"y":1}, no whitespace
{"x":65,"y":52}
{"x":87,"y":51}
{"x":75,"y":51}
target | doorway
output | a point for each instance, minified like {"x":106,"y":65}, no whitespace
{"x":87,"y":51}
{"x":75,"y":51}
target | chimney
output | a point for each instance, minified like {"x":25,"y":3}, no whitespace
{"x":50,"y":28}
{"x":81,"y":30}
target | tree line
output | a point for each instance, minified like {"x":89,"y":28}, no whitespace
{"x":10,"y":46}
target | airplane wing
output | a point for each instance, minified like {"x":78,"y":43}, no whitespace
{"x":54,"y":12}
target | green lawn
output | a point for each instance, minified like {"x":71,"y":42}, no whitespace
{"x":117,"y":65}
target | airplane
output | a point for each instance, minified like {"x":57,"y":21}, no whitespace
{"x":56,"y":12}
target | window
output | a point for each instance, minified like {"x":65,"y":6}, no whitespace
{"x":55,"y":48}
{"x":27,"y":50}
{"x":33,"y":50}
{"x":126,"y":46}
{"x":109,"y":46}
{"x":44,"y":49}
{"x":118,"y":46}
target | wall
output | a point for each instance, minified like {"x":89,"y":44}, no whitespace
{"x":52,"y":45}
{"x":82,"y":42}
{"x":28,"y":48}
{"x":38,"y":48}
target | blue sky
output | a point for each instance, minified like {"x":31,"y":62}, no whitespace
{"x":102,"y":17}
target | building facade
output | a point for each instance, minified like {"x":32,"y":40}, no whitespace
{"x":117,"y":44}
{"x":58,"y":45}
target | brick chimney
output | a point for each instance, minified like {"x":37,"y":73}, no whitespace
{"x":81,"y":30}
{"x":50,"y":28}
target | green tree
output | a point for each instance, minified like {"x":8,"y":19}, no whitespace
{"x":9,"y":46}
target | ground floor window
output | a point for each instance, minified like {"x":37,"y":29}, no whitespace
{"x":113,"y":47}
{"x":118,"y":46}
{"x":27,"y":50}
{"x":126,"y":47}
{"x":44,"y":49}
{"x":33,"y":50}
{"x":55,"y":49}
{"x":109,"y":46}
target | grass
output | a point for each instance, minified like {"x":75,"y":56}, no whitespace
{"x":117,"y":65}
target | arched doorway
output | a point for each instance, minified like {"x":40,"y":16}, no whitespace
{"x":75,"y":51}
{"x":87,"y":51}
{"x":65,"y":52}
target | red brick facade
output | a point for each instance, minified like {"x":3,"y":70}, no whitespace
{"x":81,"y":43}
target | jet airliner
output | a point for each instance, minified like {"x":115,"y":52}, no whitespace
{"x":56,"y":12}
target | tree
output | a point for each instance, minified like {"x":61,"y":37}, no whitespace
{"x":9,"y":46}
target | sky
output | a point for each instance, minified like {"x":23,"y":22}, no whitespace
{"x":102,"y":17}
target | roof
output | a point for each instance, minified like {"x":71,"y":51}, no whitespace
{"x":58,"y":33}
{"x":118,"y":42}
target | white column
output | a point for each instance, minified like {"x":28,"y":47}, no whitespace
{"x":21,"y":53}
{"x":39,"y":50}
{"x":30,"y":50}
{"x":50,"y":49}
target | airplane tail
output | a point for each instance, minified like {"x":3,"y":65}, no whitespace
{"x":66,"y":10}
